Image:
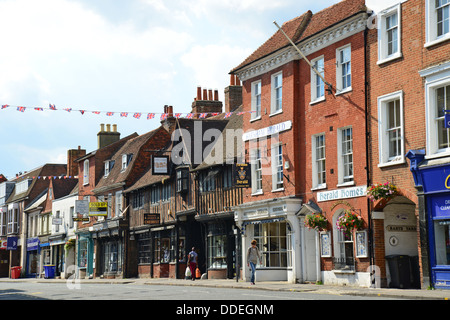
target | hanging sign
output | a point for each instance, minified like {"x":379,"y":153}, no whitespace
{"x":11,"y":243}
{"x":160,"y":165}
{"x":98,"y":208}
{"x":242,"y":175}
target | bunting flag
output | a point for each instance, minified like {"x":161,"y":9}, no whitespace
{"x":136,"y":115}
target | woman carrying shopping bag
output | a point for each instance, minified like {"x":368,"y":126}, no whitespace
{"x":192,"y":262}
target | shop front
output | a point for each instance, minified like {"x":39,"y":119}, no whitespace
{"x":110,"y":248}
{"x":274,"y":225}
{"x":85,"y":255}
{"x":433,"y":176}
{"x":33,"y":257}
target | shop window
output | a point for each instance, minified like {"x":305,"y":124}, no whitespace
{"x":273,"y":244}
{"x":217,"y":247}
{"x":112,"y":257}
{"x":442,"y":241}
{"x":82,"y":253}
{"x":145,"y":248}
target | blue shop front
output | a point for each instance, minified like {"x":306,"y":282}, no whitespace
{"x":433,"y":175}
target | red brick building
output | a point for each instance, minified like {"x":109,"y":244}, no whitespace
{"x":301,"y":140}
{"x":408,"y":59}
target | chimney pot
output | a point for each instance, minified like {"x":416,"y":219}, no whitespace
{"x":108,"y":128}
{"x":210,"y":95}
{"x":170,"y":111}
{"x":205,"y":94}
{"x":102,"y":127}
{"x":232,"y":80}
{"x":199,"y":93}
{"x":216,"y":95}
{"x":114,"y":127}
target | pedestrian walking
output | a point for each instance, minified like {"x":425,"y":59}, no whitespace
{"x":253,"y":256}
{"x":192,"y":262}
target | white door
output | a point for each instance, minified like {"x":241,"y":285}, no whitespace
{"x":310,"y":255}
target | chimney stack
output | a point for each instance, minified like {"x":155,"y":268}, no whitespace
{"x":107,"y":137}
{"x":170,"y":121}
{"x":72,"y":164}
{"x":233,"y":94}
{"x":208,"y":103}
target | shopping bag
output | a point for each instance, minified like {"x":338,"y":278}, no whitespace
{"x":188,"y":272}
{"x":198,"y":274}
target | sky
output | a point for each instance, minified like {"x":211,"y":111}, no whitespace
{"x":118,"y":56}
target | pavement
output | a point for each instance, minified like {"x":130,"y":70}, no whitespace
{"x":415,"y":294}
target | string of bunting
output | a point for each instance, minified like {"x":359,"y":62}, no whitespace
{"x":136,"y":115}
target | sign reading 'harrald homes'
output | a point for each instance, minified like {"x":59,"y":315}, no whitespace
{"x":345,"y":193}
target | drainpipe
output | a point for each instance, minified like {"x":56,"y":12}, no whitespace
{"x":368,"y":173}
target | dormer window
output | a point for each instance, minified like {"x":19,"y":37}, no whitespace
{"x":126,"y":158}
{"x":22,"y":187}
{"x":109,"y":164}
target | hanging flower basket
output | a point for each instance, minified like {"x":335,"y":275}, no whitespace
{"x":69,"y":244}
{"x":382,"y":191}
{"x":316,"y":221}
{"x":349,"y":221}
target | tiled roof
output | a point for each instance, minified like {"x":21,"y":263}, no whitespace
{"x":132,"y":146}
{"x":305,"y":26}
{"x":293,"y":28}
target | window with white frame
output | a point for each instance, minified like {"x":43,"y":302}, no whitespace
{"x":22,"y":186}
{"x":256,"y":165}
{"x":3,"y":220}
{"x":437,"y":16}
{"x":13,"y":219}
{"x":118,"y":204}
{"x":389,"y":34}
{"x":256,"y":100}
{"x":437,"y":92}
{"x":318,"y":161}
{"x":390,"y":129}
{"x":277,"y":93}
{"x":277,"y":167}
{"x":124,"y":161}
{"x":273,"y":240}
{"x":344,"y":69}
{"x":317,"y":85}
{"x":109,"y":164}
{"x":345,"y":155}
{"x":86,"y":172}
